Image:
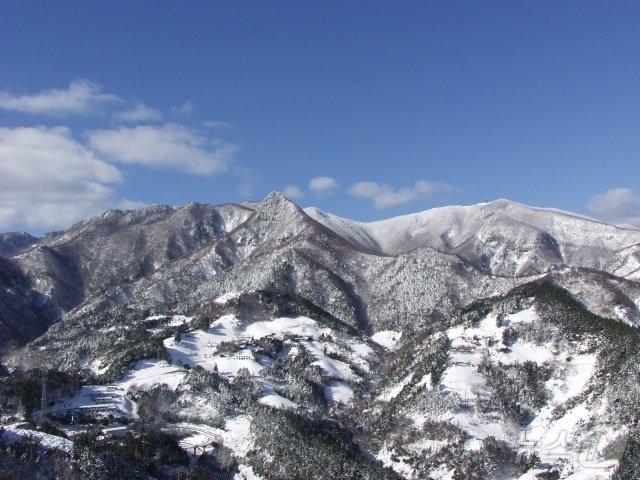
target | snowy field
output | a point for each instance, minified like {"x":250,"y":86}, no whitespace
{"x":228,"y":346}
{"x":168,"y":321}
{"x":199,"y":348}
{"x":14,"y":434}
{"x":551,"y":436}
{"x":557,"y":431}
{"x":387,"y":338}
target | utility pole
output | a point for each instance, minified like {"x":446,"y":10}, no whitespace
{"x":43,"y":400}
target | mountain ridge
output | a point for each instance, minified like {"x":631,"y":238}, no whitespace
{"x":470,"y":231}
{"x":139,"y":252}
{"x":435,"y":344}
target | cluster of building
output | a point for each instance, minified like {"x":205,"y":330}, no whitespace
{"x":95,"y":403}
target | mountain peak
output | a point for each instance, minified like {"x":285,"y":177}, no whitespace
{"x":276,"y":195}
{"x":276,"y":207}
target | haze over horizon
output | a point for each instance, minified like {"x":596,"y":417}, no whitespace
{"x":366,"y":110}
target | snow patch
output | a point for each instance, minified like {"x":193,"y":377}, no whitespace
{"x":300,"y":326}
{"x":237,"y":435}
{"x":198,"y":348}
{"x":331,"y":366}
{"x":223,"y":299}
{"x":13,"y":434}
{"x":339,"y":392}
{"x":173,"y":321}
{"x":426,"y":381}
{"x":274,"y":400}
{"x":360,"y":349}
{"x":387,"y":338}
{"x":393,"y":392}
{"x":147,"y":373}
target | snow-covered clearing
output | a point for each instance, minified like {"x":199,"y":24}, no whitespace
{"x":300,"y":326}
{"x":150,"y":372}
{"x":245,"y":472}
{"x":110,"y":399}
{"x":201,"y":348}
{"x":170,"y":321}
{"x":14,"y":434}
{"x":559,"y":432}
{"x":403,"y":469}
{"x":387,"y":338}
{"x":392,"y":392}
{"x":331,"y":366}
{"x":471,"y":345}
{"x":194,"y":440}
{"x":228,"y":346}
{"x":274,"y":400}
{"x":339,"y":392}
{"x":549,"y":435}
{"x":360,"y":349}
{"x":237,"y":435}
{"x":198,"y":348}
{"x":596,"y":471}
{"x":223,"y":299}
{"x":426,"y":381}
{"x":96,"y":366}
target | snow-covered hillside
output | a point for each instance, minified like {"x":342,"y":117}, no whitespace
{"x":507,"y":237}
{"x":491,"y":341}
{"x":513,"y":379}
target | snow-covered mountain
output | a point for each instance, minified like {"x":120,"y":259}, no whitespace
{"x":487,"y":341}
{"x":502,"y":237}
{"x":14,"y":241}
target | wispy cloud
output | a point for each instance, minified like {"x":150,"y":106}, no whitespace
{"x":185,"y":109}
{"x":170,"y":146}
{"x":126,"y":204}
{"x":48,"y":179}
{"x":248,"y":180}
{"x":323,"y":186}
{"x":216,"y":124}
{"x":138,"y":113}
{"x":292,"y":192}
{"x":82,"y":97}
{"x":619,"y":206}
{"x":385,"y":196}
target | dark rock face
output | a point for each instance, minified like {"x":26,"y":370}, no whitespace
{"x":117,"y":248}
{"x":15,"y":241}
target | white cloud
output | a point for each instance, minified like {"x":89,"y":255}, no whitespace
{"x":216,"y":124}
{"x":47,"y":179}
{"x":385,"y":196}
{"x":292,"y":192}
{"x":619,"y":206}
{"x":248,"y":179}
{"x":138,"y":113}
{"x":185,"y":109}
{"x":323,"y":185}
{"x":166,"y":146}
{"x":366,"y":189}
{"x":81,"y":98}
{"x":126,"y":204}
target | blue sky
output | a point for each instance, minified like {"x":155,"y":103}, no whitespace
{"x":365,"y":109}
